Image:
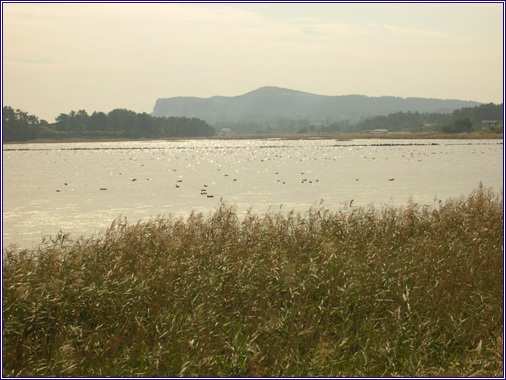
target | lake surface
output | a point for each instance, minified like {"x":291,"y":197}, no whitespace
{"x":81,"y":188}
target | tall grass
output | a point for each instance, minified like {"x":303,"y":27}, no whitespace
{"x":412,"y":291}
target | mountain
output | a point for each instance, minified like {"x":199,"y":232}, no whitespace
{"x":267,"y":106}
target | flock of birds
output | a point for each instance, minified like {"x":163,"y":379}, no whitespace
{"x":205,"y":186}
{"x":204,"y":191}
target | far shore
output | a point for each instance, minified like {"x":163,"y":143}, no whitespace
{"x":479,"y":135}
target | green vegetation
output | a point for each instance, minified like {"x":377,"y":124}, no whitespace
{"x":119,"y":123}
{"x":124,"y":124}
{"x":461,"y":120}
{"x":458,"y":126}
{"x":412,"y":291}
{"x":466,"y":120}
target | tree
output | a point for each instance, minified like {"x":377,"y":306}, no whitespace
{"x":80,"y":120}
{"x":458,"y":126}
{"x":18,"y":125}
{"x":148,"y":125}
{"x":463,"y":125}
{"x":122,"y":120}
{"x":97,"y":122}
{"x":63,"y":122}
{"x":9,"y":124}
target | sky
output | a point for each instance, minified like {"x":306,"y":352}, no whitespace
{"x":58,"y":57}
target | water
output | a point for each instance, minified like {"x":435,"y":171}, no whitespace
{"x":81,"y":188}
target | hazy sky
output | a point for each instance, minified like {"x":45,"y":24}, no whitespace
{"x":97,"y":57}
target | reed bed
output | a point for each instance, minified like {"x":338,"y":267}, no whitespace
{"x":406,"y":291}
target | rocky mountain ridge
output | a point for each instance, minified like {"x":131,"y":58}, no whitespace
{"x":270,"y":105}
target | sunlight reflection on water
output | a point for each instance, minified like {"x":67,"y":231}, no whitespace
{"x":82,"y":187}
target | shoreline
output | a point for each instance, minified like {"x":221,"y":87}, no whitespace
{"x":337,"y":137}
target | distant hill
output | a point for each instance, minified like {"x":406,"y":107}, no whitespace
{"x":271,"y":105}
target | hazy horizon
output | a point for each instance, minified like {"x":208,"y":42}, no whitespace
{"x":100,"y":56}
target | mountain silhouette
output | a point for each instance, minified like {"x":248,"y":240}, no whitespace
{"x":268,"y":105}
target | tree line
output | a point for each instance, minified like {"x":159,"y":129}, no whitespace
{"x":461,"y":120}
{"x":18,"y":125}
